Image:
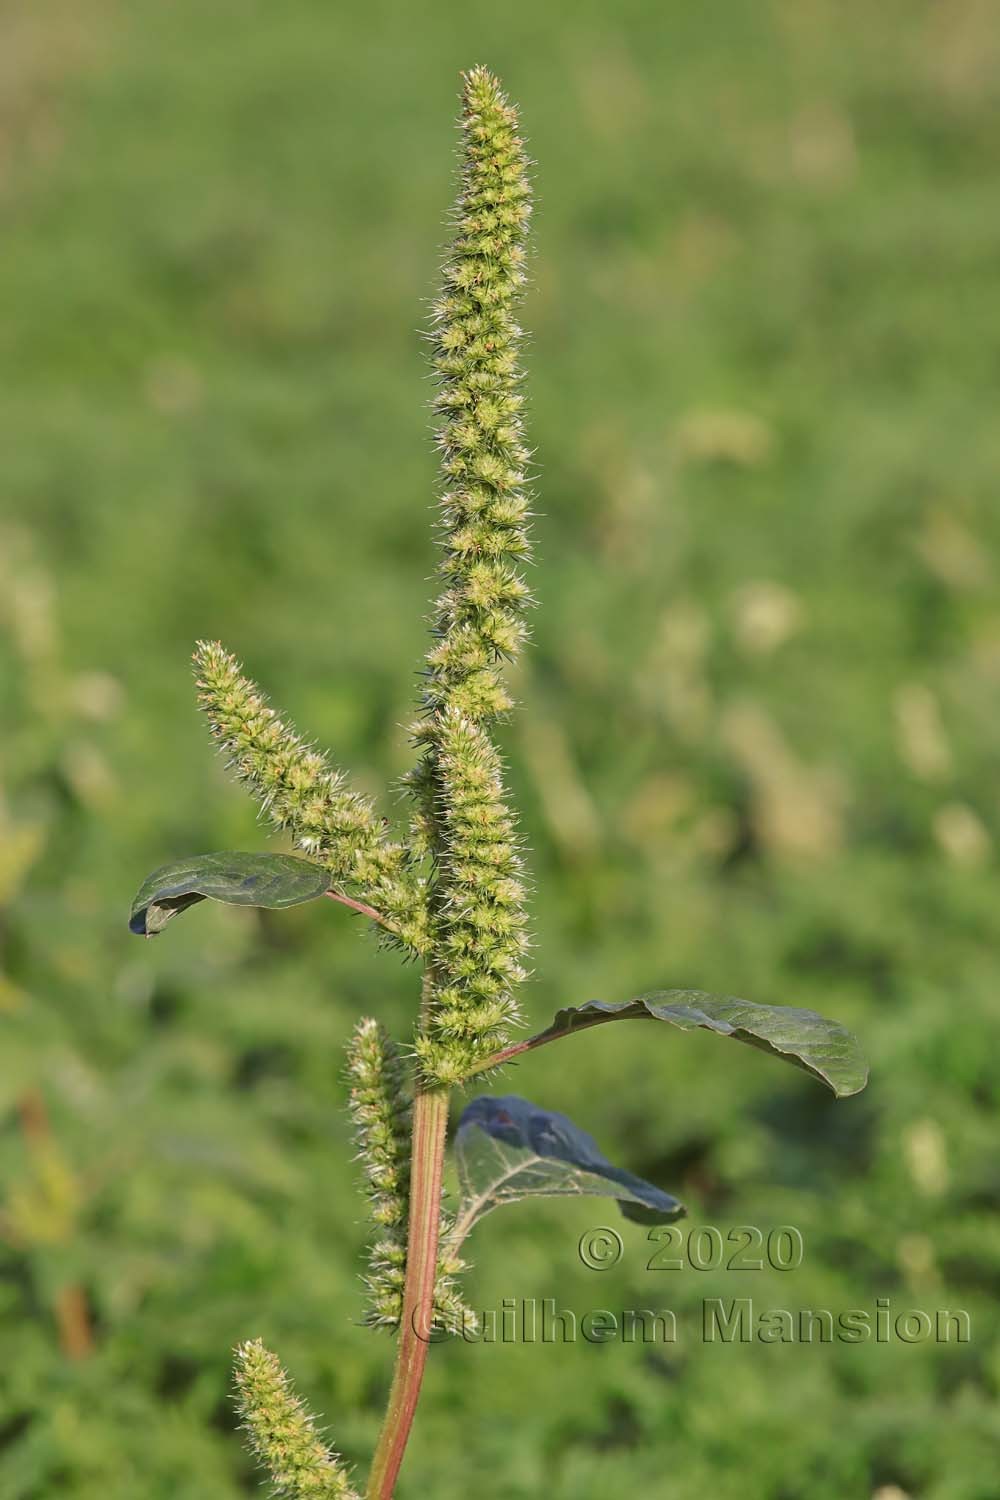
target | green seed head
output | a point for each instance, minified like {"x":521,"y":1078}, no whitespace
{"x":282,"y":1432}
{"x":477,"y":898}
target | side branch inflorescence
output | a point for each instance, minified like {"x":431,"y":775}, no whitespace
{"x":299,"y":790}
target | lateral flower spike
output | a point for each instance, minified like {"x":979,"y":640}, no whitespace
{"x":281,"y":1431}
{"x":381,"y":1111}
{"x":299,"y":790}
{"x":477,"y":897}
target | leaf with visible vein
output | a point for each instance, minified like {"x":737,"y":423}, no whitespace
{"x":271,"y":880}
{"x":821,"y":1047}
{"x":507,"y":1149}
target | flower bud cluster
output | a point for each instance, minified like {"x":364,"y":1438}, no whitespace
{"x":282,"y":1432}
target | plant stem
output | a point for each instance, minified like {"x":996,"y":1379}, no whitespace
{"x":507,"y":1054}
{"x":553,"y":1034}
{"x":430,"y":1120}
{"x":360,"y":907}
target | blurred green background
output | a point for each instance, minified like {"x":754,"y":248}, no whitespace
{"x":757,"y":751}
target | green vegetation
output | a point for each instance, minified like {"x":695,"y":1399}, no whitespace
{"x":755,"y":755}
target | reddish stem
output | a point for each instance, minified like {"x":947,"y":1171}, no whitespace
{"x":540,"y":1040}
{"x":358,"y":906}
{"x":499,"y":1058}
{"x":430,"y":1121}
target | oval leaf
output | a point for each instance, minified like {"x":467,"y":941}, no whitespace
{"x":823,"y":1048}
{"x":271,"y":880}
{"x":507,"y":1149}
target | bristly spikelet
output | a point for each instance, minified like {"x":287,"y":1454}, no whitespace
{"x":451,"y":1312}
{"x":299,"y":790}
{"x":477,"y":896}
{"x":281,"y":1431}
{"x":381,"y":1111}
{"x":479,"y":617}
{"x":479,"y":915}
{"x":380,"y":1107}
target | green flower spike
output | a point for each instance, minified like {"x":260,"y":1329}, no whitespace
{"x":477,"y":897}
{"x":381,"y":1110}
{"x":480,"y":907}
{"x":299,"y":790}
{"x":282,"y":1432}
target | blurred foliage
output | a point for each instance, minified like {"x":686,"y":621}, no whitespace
{"x":757,"y":752}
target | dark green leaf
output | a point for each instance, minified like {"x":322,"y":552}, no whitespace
{"x":272,"y":880}
{"x":507,"y":1149}
{"x":823,"y":1048}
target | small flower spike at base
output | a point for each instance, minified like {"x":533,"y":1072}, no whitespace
{"x":282,"y":1432}
{"x":381,"y":1110}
